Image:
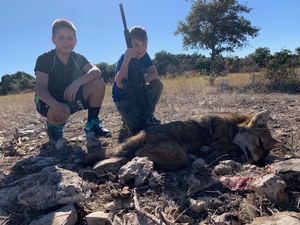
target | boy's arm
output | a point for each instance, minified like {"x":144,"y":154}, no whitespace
{"x":123,"y":72}
{"x":42,"y":80}
{"x":58,"y":112}
{"x":92,"y":73}
{"x":152,"y":74}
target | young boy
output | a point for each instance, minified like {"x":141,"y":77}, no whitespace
{"x":120,"y":93}
{"x":66,"y":82}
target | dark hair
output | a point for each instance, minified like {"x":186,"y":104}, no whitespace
{"x":138,"y":32}
{"x":62,"y":23}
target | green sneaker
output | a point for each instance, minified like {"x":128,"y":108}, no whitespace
{"x":95,"y":126}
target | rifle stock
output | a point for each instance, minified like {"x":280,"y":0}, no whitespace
{"x":136,"y":83}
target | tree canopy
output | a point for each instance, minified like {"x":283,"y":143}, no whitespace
{"x":216,"y":25}
{"x":261,"y":55}
{"x":16,"y":83}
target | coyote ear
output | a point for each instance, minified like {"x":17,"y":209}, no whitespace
{"x":261,"y":118}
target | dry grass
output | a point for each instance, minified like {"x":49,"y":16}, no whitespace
{"x":183,"y":97}
{"x":12,"y":106}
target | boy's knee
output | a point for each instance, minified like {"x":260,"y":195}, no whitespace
{"x":99,"y":83}
{"x":64,"y":118}
{"x":157,"y":85}
{"x":95,"y":85}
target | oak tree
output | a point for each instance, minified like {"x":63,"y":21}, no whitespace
{"x":216,"y":25}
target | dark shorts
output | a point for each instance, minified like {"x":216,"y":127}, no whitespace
{"x":75,"y":106}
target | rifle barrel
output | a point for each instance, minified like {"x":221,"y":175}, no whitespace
{"x":123,"y":16}
{"x":126,"y":31}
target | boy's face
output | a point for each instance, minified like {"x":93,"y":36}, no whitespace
{"x":139,"y":47}
{"x":64,"y":40}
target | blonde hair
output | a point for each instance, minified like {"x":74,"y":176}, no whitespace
{"x":62,"y":23}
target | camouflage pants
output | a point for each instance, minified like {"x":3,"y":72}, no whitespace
{"x":154,"y":90}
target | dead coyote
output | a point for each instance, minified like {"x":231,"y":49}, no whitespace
{"x":168,"y":145}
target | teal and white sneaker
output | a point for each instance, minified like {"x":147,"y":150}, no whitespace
{"x":95,"y":126}
{"x":55,"y":132}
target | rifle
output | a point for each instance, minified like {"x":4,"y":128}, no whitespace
{"x":137,"y":86}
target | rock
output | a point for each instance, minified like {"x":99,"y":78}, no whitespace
{"x":205,"y":149}
{"x":114,"y":205}
{"x":137,"y":219}
{"x":47,"y":188}
{"x":227,"y":167}
{"x":192,"y":157}
{"x":271,"y":186}
{"x":193,"y":182}
{"x":109,"y":165}
{"x":66,"y":215}
{"x":252,"y":169}
{"x":33,"y":164}
{"x":198,"y":205}
{"x":138,"y":168}
{"x":227,"y":219}
{"x":97,"y":218}
{"x":281,"y":218}
{"x":290,"y":165}
{"x":8,"y":196}
{"x":198,"y":163}
{"x":92,"y":140}
{"x":223,"y":170}
{"x":117,"y":221}
{"x":61,"y":143}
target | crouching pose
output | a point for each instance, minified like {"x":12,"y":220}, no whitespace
{"x":67,"y":83}
{"x":123,"y":95}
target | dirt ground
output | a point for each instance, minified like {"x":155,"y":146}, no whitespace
{"x":171,"y":198}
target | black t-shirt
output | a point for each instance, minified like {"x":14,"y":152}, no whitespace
{"x":60,"y":75}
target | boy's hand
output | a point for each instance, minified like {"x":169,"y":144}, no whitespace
{"x":58,"y":113}
{"x":129,"y":54}
{"x":70,"y":92}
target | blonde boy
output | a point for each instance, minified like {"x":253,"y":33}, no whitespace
{"x":67,"y":83}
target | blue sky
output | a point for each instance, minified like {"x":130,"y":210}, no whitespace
{"x":25,"y":27}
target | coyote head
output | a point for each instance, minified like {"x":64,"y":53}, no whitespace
{"x":255,"y":138}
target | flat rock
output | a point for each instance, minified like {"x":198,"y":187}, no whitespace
{"x":47,"y":188}
{"x":290,"y":165}
{"x":66,"y":215}
{"x":281,"y":218}
{"x":109,"y":165}
{"x":138,"y":168}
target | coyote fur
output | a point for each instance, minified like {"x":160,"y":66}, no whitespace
{"x":168,"y":145}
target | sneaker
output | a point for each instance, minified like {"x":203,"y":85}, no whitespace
{"x":95,"y":126}
{"x":55,"y":132}
{"x":153,"y":121}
